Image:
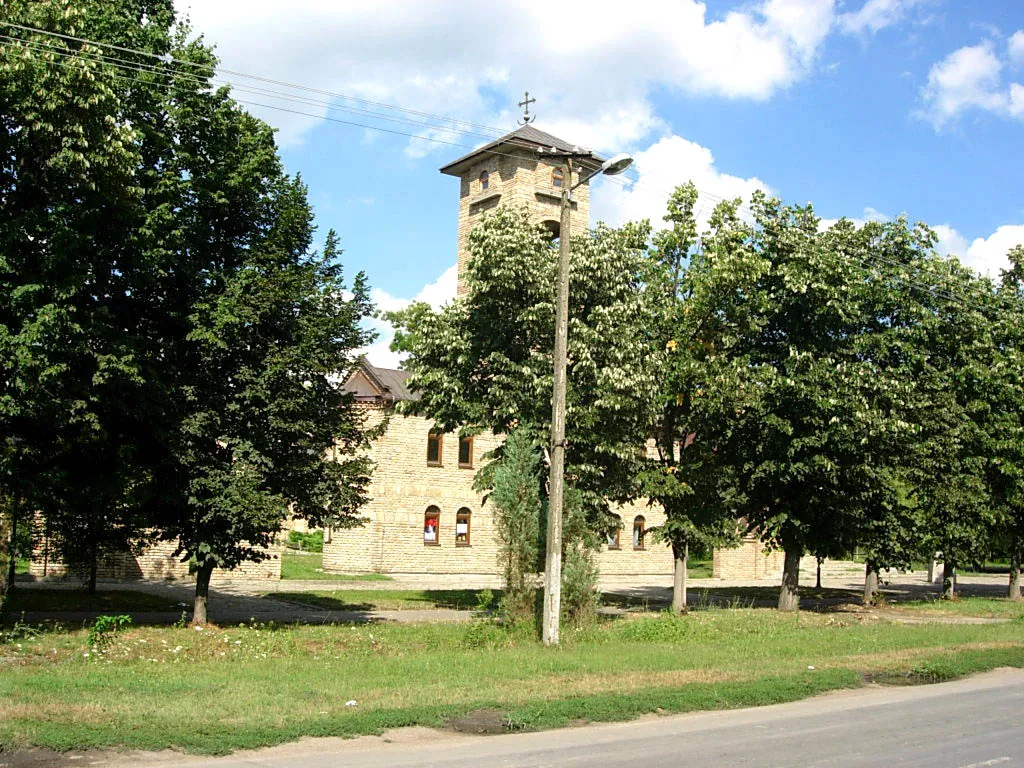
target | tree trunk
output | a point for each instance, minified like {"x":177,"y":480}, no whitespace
{"x":870,"y":583}
{"x":6,"y":551}
{"x":679,"y":579}
{"x":94,"y":565}
{"x":202,"y":592}
{"x":12,"y":552}
{"x":948,"y":580}
{"x":817,"y":580}
{"x":1014,"y":591}
{"x":789,"y":597}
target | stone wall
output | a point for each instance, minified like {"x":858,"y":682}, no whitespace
{"x":516,"y":177}
{"x":747,"y":561}
{"x":154,"y":562}
{"x":404,"y":487}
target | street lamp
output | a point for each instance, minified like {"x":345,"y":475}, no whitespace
{"x":556,"y":482}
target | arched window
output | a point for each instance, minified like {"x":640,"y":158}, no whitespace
{"x":638,"y":532}
{"x":614,"y":532}
{"x":485,"y":180}
{"x":462,"y":520}
{"x":553,"y":228}
{"x":432,"y":526}
{"x":557,"y":177}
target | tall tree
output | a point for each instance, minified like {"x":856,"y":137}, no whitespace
{"x":953,"y":376}
{"x":163,"y":316}
{"x":820,"y":411}
{"x":696,"y":300}
{"x":1006,"y":427}
{"x":72,"y":206}
{"x":484,"y":361}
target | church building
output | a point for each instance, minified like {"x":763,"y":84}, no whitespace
{"x":424,"y":516}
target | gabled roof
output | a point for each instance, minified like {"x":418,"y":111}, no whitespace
{"x":523,"y":136}
{"x":388,"y":384}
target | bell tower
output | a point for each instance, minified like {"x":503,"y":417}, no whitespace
{"x":514,"y":171}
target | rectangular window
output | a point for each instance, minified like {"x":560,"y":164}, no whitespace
{"x":466,"y":452}
{"x":434,"y":444}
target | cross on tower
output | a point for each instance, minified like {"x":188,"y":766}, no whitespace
{"x":525,"y":104}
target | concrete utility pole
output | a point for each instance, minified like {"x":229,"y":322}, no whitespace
{"x":556,"y":481}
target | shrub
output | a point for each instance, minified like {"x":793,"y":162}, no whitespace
{"x":105,"y":626}
{"x":307,"y":542}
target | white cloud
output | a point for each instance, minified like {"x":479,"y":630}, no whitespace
{"x":470,"y":60}
{"x":436,"y":294}
{"x":870,"y":214}
{"x":875,"y":15}
{"x":1015,"y":47}
{"x":971,"y":78}
{"x":950,"y":242}
{"x":986,"y":255}
{"x":660,"y":168}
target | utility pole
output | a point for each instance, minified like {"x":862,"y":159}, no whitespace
{"x":556,"y":479}
{"x":556,"y":482}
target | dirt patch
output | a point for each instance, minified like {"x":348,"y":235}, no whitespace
{"x":46,"y":758}
{"x":483,"y":721}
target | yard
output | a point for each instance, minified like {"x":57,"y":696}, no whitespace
{"x":155,"y":687}
{"x":309,"y":566}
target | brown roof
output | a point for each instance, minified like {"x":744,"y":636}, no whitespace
{"x":523,"y":136}
{"x":390,"y":385}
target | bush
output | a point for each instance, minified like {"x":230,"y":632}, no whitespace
{"x":517,"y":502}
{"x":579,"y":571}
{"x":307,"y":542}
{"x":105,"y":626}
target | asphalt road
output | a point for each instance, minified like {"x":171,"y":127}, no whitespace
{"x":974,"y":722}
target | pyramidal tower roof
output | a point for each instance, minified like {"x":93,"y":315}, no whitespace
{"x":525,"y":136}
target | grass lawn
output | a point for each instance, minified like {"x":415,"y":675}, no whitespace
{"x":384,"y":600}
{"x":699,"y":569}
{"x":981,"y":607}
{"x":21,"y":565}
{"x":229,"y":688}
{"x":309,"y":566}
{"x":114,"y":600}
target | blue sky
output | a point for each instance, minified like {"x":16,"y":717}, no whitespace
{"x":867,"y":108}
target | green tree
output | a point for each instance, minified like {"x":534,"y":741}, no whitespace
{"x":810,"y":442}
{"x":71,"y":379}
{"x":697,"y":304}
{"x":953,"y":375}
{"x":515,"y":483}
{"x":174,"y":353}
{"x":1006,"y":427}
{"x":484,"y":361}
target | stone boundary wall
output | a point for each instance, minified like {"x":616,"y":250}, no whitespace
{"x":155,"y":562}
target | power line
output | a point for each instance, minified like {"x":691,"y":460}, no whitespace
{"x":125,"y":65}
{"x":135,"y":66}
{"x":271,"y":81}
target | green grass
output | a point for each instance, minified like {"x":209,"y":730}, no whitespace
{"x":152,"y":688}
{"x":383,"y":600}
{"x":981,"y":607}
{"x":699,"y":569}
{"x":300,"y":566}
{"x":21,"y":565}
{"x":71,"y":600}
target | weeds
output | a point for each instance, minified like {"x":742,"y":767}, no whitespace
{"x":104,"y":627}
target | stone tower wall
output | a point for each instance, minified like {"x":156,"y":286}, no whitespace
{"x":516,"y":177}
